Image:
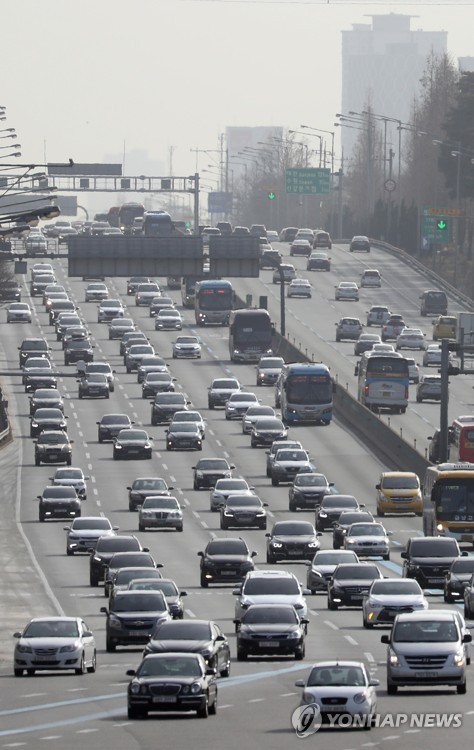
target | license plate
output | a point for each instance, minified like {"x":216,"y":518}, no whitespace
{"x":48,"y":660}
{"x":272,"y":644}
{"x":229,"y":572}
{"x":425,"y":675}
{"x":466,"y":537}
{"x":294,"y":552}
{"x":386,"y":394}
{"x":164,"y":699}
{"x":137,"y":632}
{"x":53,"y":456}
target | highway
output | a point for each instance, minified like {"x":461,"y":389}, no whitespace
{"x":256,"y":702}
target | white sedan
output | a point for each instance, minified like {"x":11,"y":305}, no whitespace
{"x":347,"y":290}
{"x":411,"y":338}
{"x":187,"y":347}
{"x":432,"y":355}
{"x":19,"y":312}
{"x":299,"y":288}
{"x":67,"y":640}
{"x":168,"y":319}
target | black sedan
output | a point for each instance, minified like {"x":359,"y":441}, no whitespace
{"x":131,"y":443}
{"x":58,"y":502}
{"x":225,"y":561}
{"x":46,"y":397}
{"x":266,"y":430}
{"x":94,"y":385}
{"x":292,"y":540}
{"x":111,"y":424}
{"x":47,"y":419}
{"x":346,"y":519}
{"x":193,"y":636}
{"x":208,"y":470}
{"x":184,"y":436}
{"x":331,"y":508}
{"x":350,"y":582}
{"x":270,"y":629}
{"x":157,"y":382}
{"x":172,"y":682}
{"x":308,"y":490}
{"x":246,"y":511}
{"x":143,"y":487}
{"x":457,"y":578}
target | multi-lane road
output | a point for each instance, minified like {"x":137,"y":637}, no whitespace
{"x":257,"y":700}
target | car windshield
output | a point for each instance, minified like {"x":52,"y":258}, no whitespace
{"x":48,"y":414}
{"x":148,"y":288}
{"x":227,"y":547}
{"x":332,"y":558}
{"x":158,"y":377}
{"x":93,"y":367}
{"x":38,"y":363}
{"x":255,"y":411}
{"x":293,"y":528}
{"x":425,"y":631}
{"x":187,"y":340}
{"x":125,"y":575}
{"x":167,"y":587}
{"x":151,"y":601}
{"x":310,"y":480}
{"x":46,"y":394}
{"x":463,"y":566}
{"x":184,"y":427}
{"x":169,"y":313}
{"x":46,"y":437}
{"x":269,"y":424}
{"x":68,"y":474}
{"x":51,"y":629}
{"x":291,"y":456}
{"x":231,"y":484}
{"x":270,"y":615}
{"x":97,"y":378}
{"x":366,"y":529}
{"x":170,"y":398}
{"x":169,"y":667}
{"x":117,"y":544}
{"x":115,"y":419}
{"x":213,"y":463}
{"x":185,"y":630}
{"x":59,"y":492}
{"x":250,"y":501}
{"x":111,"y":303}
{"x":401,"y":483}
{"x":242,"y":398}
{"x":395,"y":588}
{"x":338,"y":502}
{"x":436,"y":548}
{"x":268,"y":586}
{"x":337,"y":675}
{"x":225,"y":384}
{"x":168,"y":503}
{"x":149,"y":484}
{"x":132,"y":435}
{"x":359,"y":572}
{"x":271,"y":362}
{"x":90,"y":523}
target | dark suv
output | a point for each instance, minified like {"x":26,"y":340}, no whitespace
{"x":105,"y":549}
{"x":350,"y":582}
{"x":33,"y":348}
{"x":225,"y":561}
{"x":428,"y":559}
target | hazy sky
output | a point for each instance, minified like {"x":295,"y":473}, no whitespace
{"x":82,"y":78}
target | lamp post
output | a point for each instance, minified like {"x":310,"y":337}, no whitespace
{"x":329,"y":132}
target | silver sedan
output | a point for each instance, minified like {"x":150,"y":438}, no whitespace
{"x":54,"y":643}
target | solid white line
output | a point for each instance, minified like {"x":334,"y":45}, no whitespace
{"x":331,"y":624}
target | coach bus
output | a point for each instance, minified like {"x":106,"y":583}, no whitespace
{"x":461,"y":439}
{"x":383,"y":381}
{"x":128,"y":212}
{"x":250,"y":335}
{"x":304,"y":392}
{"x":448,"y":501}
{"x":213,"y":302}
{"x":157,"y":224}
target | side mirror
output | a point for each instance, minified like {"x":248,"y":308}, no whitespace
{"x":385,"y":639}
{"x":404,"y":555}
{"x":254,"y":554}
{"x":467,"y":638}
{"x":130,"y":672}
{"x":300,"y":683}
{"x":104,"y":610}
{"x":200,"y":554}
{"x":378,"y":486}
{"x":268,"y":535}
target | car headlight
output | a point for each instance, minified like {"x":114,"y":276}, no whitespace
{"x":97,"y":559}
{"x":311,"y":545}
{"x":118,"y":446}
{"x":147,"y":445}
{"x":459,"y":658}
{"x":115,"y":621}
{"x":228,"y":513}
{"x":277,"y":544}
{"x":69,"y":648}
{"x":322,"y":514}
{"x":360,"y":697}
{"x":393,"y":659}
{"x":135,"y":688}
{"x":351,"y":541}
{"x":24,"y":649}
{"x":199,"y":474}
{"x":260,"y":513}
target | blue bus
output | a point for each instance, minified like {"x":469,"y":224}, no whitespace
{"x":213,"y":302}
{"x":383,"y":381}
{"x":304,"y":393}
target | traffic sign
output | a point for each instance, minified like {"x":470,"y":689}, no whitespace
{"x":441,"y":224}
{"x":437,"y":225}
{"x":308,"y":181}
{"x":390,"y":185}
{"x":271,"y":195}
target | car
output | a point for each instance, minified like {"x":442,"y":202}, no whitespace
{"x":419,"y":641}
{"x":271,"y":630}
{"x":433,"y":302}
{"x":172,"y":593}
{"x":146,"y":293}
{"x":111,"y":424}
{"x":103,"y":551}
{"x":299,"y":288}
{"x":434,"y":447}
{"x":78,"y":350}
{"x":159,"y":674}
{"x":371,"y":278}
{"x":288,"y":234}
{"x":270,"y":587}
{"x":344,"y":690}
{"x":208,"y":232}
{"x":158,"y":303}
{"x":160,"y":512}
{"x":151,"y":363}
{"x":323,"y":566}
{"x":203,"y":637}
{"x":157,"y":382}
{"x":241,"y":231}
{"x":345,"y":520}
{"x":238,"y":403}
{"x":58,"y":501}
{"x":93,"y":385}
{"x":38,"y":373}
{"x":359,"y":244}
{"x":134,"y":282}
{"x":288,"y":463}
{"x":135,"y":355}
{"x":144,"y":487}
{"x":269,"y":369}
{"x":399,"y":492}
{"x":103,"y":368}
{"x":287,"y":270}
{"x":392,"y":327}
{"x":33,"y":347}
{"x":458,"y":576}
{"x":40,"y":282}
{"x":428,"y":559}
{"x":132,"y":616}
{"x":64,"y":322}
{"x":321,"y":239}
{"x":186,"y":347}
{"x":165,"y":406}
{"x":60,"y":306}
{"x":468,"y":597}
{"x":243,"y":511}
{"x":120,"y":578}
{"x":190,"y":416}
{"x":129,"y":559}
{"x":300,"y":246}
{"x":444,"y":327}
{"x":225,"y":488}
{"x":388,"y":597}
{"x":133,"y":337}
{"x":272,"y":235}
{"x":96,"y":291}
{"x":119,"y":326}
{"x":366,"y":342}
{"x":84,"y":531}
{"x":378,"y":315}
{"x":47,"y":419}
{"x":132,"y":443}
{"x":110,"y":309}
{"x":40,"y":268}
{"x":220,"y":390}
{"x":74,"y":333}
{"x":71,"y":477}
{"x":384,"y":348}
{"x":331,"y":508}
{"x":183,"y":436}
{"x":348,"y":328}
{"x":253,"y":414}
{"x":269,"y":258}
{"x":413,"y":371}
{"x":46,"y":398}
{"x":292,"y":540}
{"x":347,"y":290}
{"x":368,"y":540}
{"x":53,"y":447}
{"x":432,"y":356}
{"x":208,"y":470}
{"x":54,"y":643}
{"x":275,"y":447}
{"x":36,"y":245}
{"x":411,"y":338}
{"x":308,"y":490}
{"x":168,"y":319}
{"x":318,"y":261}
{"x":19,"y":312}
{"x":225,"y":560}
{"x":350,"y":582}
{"x":258,"y":230}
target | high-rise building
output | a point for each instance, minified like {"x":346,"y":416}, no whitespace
{"x":382,"y":64}
{"x":237,"y":138}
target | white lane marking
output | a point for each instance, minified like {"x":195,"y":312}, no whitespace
{"x":351,"y":640}
{"x":331,"y":625}
{"x":204,"y":525}
{"x":172,"y":478}
{"x":196,"y":514}
{"x":165,"y":467}
{"x":186,"y":501}
{"x":369,"y":656}
{"x":283,"y":695}
{"x":218,"y":442}
{"x":256,"y":700}
{"x":190,"y":613}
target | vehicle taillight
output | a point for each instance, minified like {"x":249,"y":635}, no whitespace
{"x":406,"y":392}
{"x":366,"y":389}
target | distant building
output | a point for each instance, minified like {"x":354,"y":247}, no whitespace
{"x":382,"y":63}
{"x":237,"y":138}
{"x":466,"y":64}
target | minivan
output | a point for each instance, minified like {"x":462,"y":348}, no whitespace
{"x":433,"y":302}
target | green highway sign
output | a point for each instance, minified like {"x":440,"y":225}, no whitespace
{"x":437,"y":225}
{"x":308,"y":181}
{"x":271,"y":196}
{"x":441,"y":224}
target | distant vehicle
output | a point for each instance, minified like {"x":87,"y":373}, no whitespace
{"x":359,"y":244}
{"x":383,"y":381}
{"x":128,"y":213}
{"x":288,"y":234}
{"x":322,"y":239}
{"x":213,"y":302}
{"x":304,"y":393}
{"x":433,"y":302}
{"x":371,"y":278}
{"x":347,"y":290}
{"x":157,"y":224}
{"x":318,"y":261}
{"x":444,"y":327}
{"x":250,"y":335}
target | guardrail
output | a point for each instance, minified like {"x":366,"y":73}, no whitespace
{"x":5,"y":428}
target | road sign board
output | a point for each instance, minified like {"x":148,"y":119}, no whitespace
{"x":435,"y":211}
{"x":437,"y":225}
{"x":308,"y":181}
{"x":220,"y":203}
